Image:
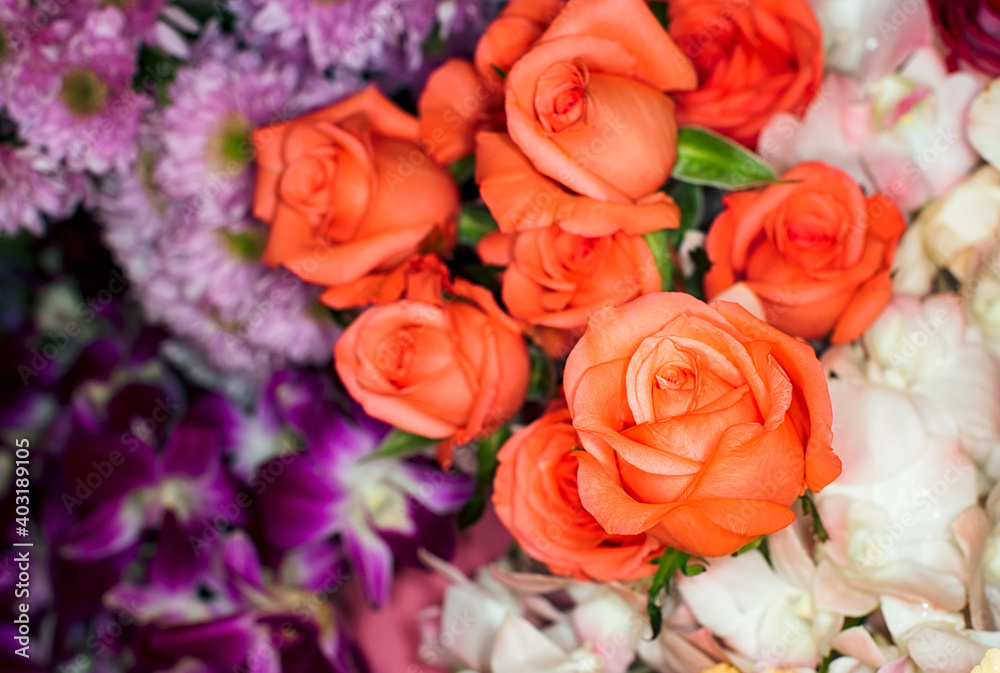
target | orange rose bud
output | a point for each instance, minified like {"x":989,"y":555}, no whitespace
{"x":535,"y":496}
{"x":554,"y":281}
{"x":815,"y":250}
{"x":461,"y":98}
{"x":330,"y":185}
{"x":451,"y":369}
{"x":753,"y":59}
{"x":702,"y":424}
{"x":456,"y":103}
{"x":591,"y":136}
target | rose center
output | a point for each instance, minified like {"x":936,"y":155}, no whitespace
{"x":675,"y":377}
{"x":810,"y":235}
{"x":561,"y":96}
{"x":306,"y":185}
{"x":578,"y":254}
{"x":83,"y":92}
{"x":399,"y":356}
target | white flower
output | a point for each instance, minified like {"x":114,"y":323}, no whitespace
{"x":865,"y":37}
{"x":924,"y":350}
{"x":764,"y":615}
{"x":503,"y":623}
{"x":896,"y":515}
{"x":899,"y":133}
{"x":950,"y":233}
{"x":983,"y":123}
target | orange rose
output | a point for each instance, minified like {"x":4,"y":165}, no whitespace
{"x":592,"y":136}
{"x":510,"y":35}
{"x":815,"y":250}
{"x":448,"y":369}
{"x":701,"y":424}
{"x":535,"y":496}
{"x":554,"y":281}
{"x":331,"y":184}
{"x":460,"y":98}
{"x":753,"y":59}
{"x":455,"y":103}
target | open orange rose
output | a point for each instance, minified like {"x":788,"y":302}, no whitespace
{"x":535,"y":496}
{"x":451,"y":369}
{"x":554,"y":281}
{"x":591,"y":136}
{"x":753,"y":59}
{"x":701,"y":423}
{"x":815,"y":250}
{"x":331,"y":184}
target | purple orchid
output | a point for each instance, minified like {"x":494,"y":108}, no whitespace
{"x":121,"y":485}
{"x":383,"y":509}
{"x":220,"y":612}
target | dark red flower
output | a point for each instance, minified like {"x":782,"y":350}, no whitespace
{"x":971,"y":30}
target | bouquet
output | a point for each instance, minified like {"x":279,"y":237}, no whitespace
{"x":563,"y":336}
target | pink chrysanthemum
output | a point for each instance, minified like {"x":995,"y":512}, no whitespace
{"x":207,"y":286}
{"x":204,"y":133}
{"x":15,"y":27}
{"x":155,"y":22}
{"x":70,"y":92}
{"x":358,"y":35}
{"x":32,"y":185}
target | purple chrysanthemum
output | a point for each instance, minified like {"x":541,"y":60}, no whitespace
{"x":208,"y":286}
{"x":15,"y":29}
{"x":155,"y":22}
{"x":70,"y":92}
{"x":358,"y":35}
{"x":205,"y":153}
{"x":32,"y":186}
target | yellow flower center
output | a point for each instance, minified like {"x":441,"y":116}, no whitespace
{"x":83,"y":92}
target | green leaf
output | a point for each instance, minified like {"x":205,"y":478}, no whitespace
{"x":659,"y":10}
{"x":485,"y":275}
{"x":472,"y":511}
{"x":659,"y":245}
{"x":486,"y":452}
{"x":542,"y":384}
{"x":463,"y":169}
{"x":400,"y":444}
{"x":694,"y":285}
{"x":691,"y":571}
{"x":749,"y":546}
{"x":474,"y":222}
{"x":435,"y":44}
{"x":707,"y":158}
{"x":691,"y":201}
{"x":670,"y":562}
{"x":809,"y":509}
{"x":501,"y":73}
{"x":851,"y":622}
